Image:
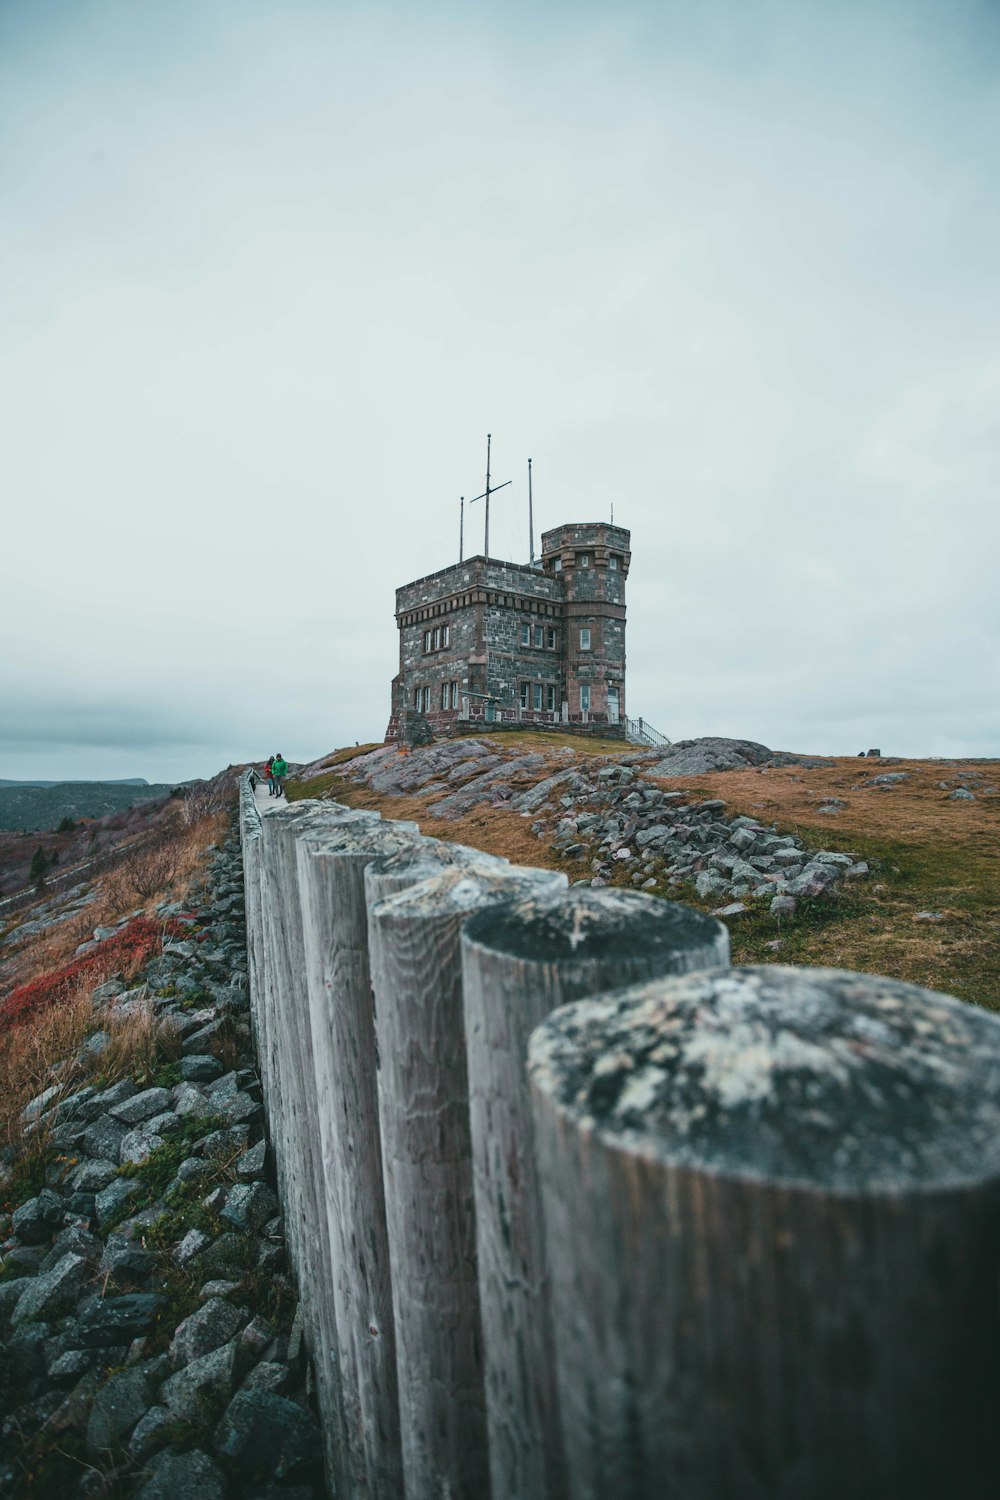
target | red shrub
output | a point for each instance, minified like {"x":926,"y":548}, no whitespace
{"x":127,"y":952}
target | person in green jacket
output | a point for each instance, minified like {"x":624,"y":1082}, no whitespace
{"x":279,"y":770}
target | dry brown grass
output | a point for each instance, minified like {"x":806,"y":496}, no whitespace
{"x":926,"y":853}
{"x":44,"y":1051}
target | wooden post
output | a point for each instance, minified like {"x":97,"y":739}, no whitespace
{"x":772,"y":1213}
{"x":331,"y":868}
{"x":519,"y":962}
{"x":287,"y":1071}
{"x":423,"y":1105}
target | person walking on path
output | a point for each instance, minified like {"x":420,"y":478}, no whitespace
{"x":269,"y":773}
{"x":279,"y":770}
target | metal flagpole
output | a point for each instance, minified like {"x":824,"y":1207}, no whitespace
{"x":531,"y":522}
{"x":490,"y":489}
{"x":461,"y":530}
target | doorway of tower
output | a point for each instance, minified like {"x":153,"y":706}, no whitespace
{"x":614,"y":706}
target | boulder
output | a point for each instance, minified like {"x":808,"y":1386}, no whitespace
{"x":199,"y":1386}
{"x":121,"y":1402}
{"x":115,"y":1320}
{"x":53,"y":1292}
{"x":263,"y":1433}
{"x":142,"y":1106}
{"x":712,"y":753}
{"x":213,"y":1324}
{"x":35,"y":1221}
{"x":183,"y":1476}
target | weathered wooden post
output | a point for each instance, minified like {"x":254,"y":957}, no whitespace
{"x":423,"y":1104}
{"x":331,"y":868}
{"x":287,"y":1069}
{"x":772,"y":1213}
{"x":519,"y":962}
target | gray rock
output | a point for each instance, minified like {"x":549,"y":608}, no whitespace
{"x":10,"y":1292}
{"x":104,"y":1137}
{"x":69,"y":1367}
{"x":783,"y":906}
{"x":256,"y":1336}
{"x":262,"y":1433}
{"x":249,"y":1205}
{"x":221,"y":1145}
{"x":151,"y":1430}
{"x":214,"y":1324}
{"x":138,"y":1146}
{"x":105,"y":1101}
{"x":193,"y":1243}
{"x":732,"y":910}
{"x":53,"y":1292}
{"x":888,"y":778}
{"x":815,"y":880}
{"x":200,"y":1067}
{"x":120,"y":1404}
{"x":961,"y":794}
{"x":743,"y":839}
{"x":712,"y":753}
{"x":73,"y":1239}
{"x":827,"y":857}
{"x":127,"y":1262}
{"x":164,"y":1125}
{"x":114,"y":1320}
{"x":251,"y":1165}
{"x":36,"y":1107}
{"x":858,"y":871}
{"x":183,"y":1476}
{"x":189,"y":1101}
{"x":191,"y":1392}
{"x":219,"y":1288}
{"x":35,"y":1221}
{"x":114,"y":1197}
{"x":142,"y":1106}
{"x":267,"y":1376}
{"x":91,"y":1176}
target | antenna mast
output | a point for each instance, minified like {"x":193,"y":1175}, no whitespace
{"x":531,"y":522}
{"x":461,"y":530}
{"x":490,"y":489}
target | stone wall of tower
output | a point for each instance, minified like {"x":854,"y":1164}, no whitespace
{"x":509,"y":636}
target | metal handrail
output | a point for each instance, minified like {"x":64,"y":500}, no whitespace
{"x":638,"y":732}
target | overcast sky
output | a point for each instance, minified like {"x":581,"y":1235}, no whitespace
{"x":270,"y":272}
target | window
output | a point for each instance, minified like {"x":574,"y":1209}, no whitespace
{"x":557,"y":565}
{"x":525,"y":635}
{"x":585,"y":699}
{"x":446,"y":636}
{"x":418,"y":698}
{"x":427,"y":640}
{"x":446,"y":695}
{"x":585,"y":638}
{"x":536,"y":697}
{"x":550,"y":639}
{"x":454,"y":695}
{"x":437,"y":637}
{"x":550,"y":699}
{"x":584,"y":559}
{"x":427,"y":700}
{"x":613,"y":563}
{"x":539,"y":636}
{"x":524,"y":694}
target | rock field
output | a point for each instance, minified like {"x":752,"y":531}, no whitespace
{"x":612,"y":813}
{"x":149,"y":1343}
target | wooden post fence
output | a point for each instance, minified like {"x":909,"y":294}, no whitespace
{"x":772,"y":1207}
{"x":521,"y":960}
{"x":423,"y":1104}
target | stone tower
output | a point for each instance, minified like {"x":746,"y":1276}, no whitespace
{"x":486,"y":641}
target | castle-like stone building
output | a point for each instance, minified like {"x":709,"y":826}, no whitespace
{"x":491,"y":641}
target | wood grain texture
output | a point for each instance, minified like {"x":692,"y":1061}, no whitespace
{"x":520,"y":962}
{"x":423,"y":1104}
{"x":343,"y":1081}
{"x":772,"y":1215}
{"x":287,"y":1076}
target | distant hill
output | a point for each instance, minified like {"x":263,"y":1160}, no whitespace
{"x":44,"y":807}
{"x":121,"y":781}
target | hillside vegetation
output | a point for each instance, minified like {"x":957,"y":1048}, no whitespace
{"x":35,"y":807}
{"x":928,"y":911}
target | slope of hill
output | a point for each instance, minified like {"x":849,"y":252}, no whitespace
{"x":44,"y":807}
{"x":921,"y":840}
{"x":108,"y":781}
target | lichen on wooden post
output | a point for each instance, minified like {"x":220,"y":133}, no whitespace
{"x":772,"y":1213}
{"x":423,"y":1103}
{"x":520,"y":961}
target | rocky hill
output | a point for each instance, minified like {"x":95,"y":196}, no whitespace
{"x":44,"y":807}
